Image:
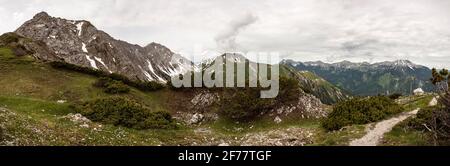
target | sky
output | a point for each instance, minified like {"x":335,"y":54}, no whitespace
{"x":303,"y":30}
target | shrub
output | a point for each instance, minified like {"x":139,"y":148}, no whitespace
{"x":423,"y":117}
{"x":112,"y":86}
{"x":144,"y":86}
{"x":289,"y":90}
{"x":395,"y":96}
{"x":360,"y":111}
{"x":439,"y":124}
{"x":150,"y":86}
{"x":116,"y":87}
{"x":245,"y":103}
{"x":85,"y":70}
{"x":121,"y":111}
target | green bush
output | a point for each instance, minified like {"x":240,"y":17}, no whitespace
{"x":144,"y":86}
{"x":289,"y":90}
{"x":360,"y":111}
{"x":395,"y":96}
{"x":124,"y":112}
{"x":244,"y":104}
{"x":111,"y":86}
{"x":85,"y":70}
{"x":423,"y":117}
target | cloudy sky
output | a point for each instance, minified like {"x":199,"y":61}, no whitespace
{"x":305,"y":30}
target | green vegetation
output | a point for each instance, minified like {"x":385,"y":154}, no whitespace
{"x":339,"y":137}
{"x":412,"y":131}
{"x":35,"y":122}
{"x":430,"y":125}
{"x":121,"y":111}
{"x":144,"y":86}
{"x":395,"y":96}
{"x":111,"y":86}
{"x":360,"y":111}
{"x":243,"y":104}
{"x":315,"y":85}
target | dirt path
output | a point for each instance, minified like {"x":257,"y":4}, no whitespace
{"x":374,"y":135}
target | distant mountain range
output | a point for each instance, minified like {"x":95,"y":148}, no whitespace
{"x":401,"y":76}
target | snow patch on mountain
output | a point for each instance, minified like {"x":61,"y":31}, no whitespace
{"x":92,"y":62}
{"x":83,"y":47}
{"x":103,"y":63}
{"x":79,"y":28}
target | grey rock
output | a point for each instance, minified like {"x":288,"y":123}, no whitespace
{"x":81,"y":43}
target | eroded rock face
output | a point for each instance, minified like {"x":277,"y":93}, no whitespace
{"x":307,"y":106}
{"x":81,"y":43}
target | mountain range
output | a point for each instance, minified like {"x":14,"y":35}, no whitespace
{"x":401,"y":76}
{"x":81,"y":43}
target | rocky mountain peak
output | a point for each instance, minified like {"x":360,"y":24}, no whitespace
{"x":81,"y":43}
{"x":41,"y":15}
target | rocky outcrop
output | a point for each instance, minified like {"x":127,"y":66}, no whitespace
{"x":81,"y":43}
{"x":203,"y":100}
{"x":307,"y":106}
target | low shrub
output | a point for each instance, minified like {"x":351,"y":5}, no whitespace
{"x":144,"y":86}
{"x":121,"y":111}
{"x":244,"y":104}
{"x":111,"y":86}
{"x":395,"y":96}
{"x":423,"y":117}
{"x":85,"y":70}
{"x":360,"y":111}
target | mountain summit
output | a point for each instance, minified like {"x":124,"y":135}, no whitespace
{"x":81,"y":43}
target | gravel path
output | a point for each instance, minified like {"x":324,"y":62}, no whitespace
{"x":374,"y":135}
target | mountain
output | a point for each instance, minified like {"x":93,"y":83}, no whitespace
{"x":81,"y":43}
{"x":401,"y":76}
{"x":308,"y":81}
{"x":316,"y":85}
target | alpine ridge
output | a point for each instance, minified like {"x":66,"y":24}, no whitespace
{"x":400,"y":76}
{"x":81,"y":43}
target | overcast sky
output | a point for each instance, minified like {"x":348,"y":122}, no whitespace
{"x":305,"y":30}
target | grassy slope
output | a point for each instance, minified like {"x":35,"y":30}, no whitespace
{"x":29,"y":91}
{"x":322,"y":89}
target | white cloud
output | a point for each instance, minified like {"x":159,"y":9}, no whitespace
{"x":329,"y":30}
